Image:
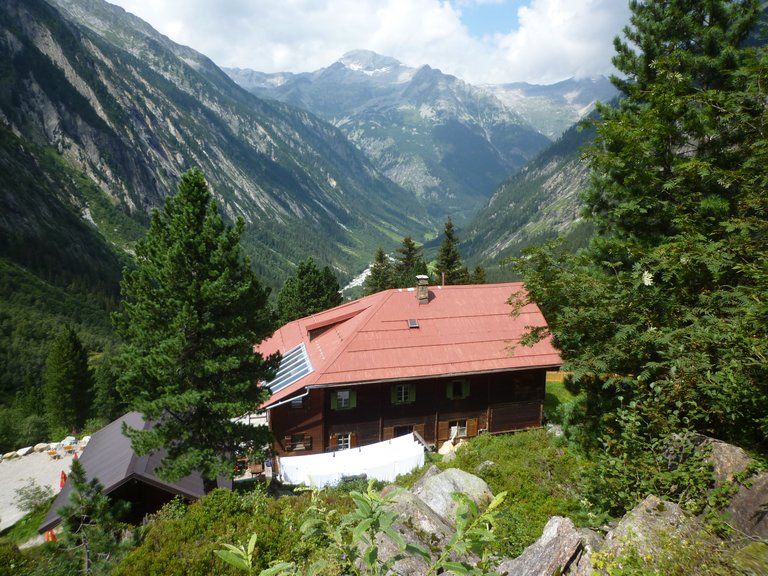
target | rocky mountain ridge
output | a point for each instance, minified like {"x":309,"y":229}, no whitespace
{"x":132,"y":110}
{"x":448,"y":142}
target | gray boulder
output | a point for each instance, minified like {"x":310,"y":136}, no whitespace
{"x":418,"y":524}
{"x":646,"y":523}
{"x":748,"y":510}
{"x":435,"y":491}
{"x":727,"y":460}
{"x":559,"y":548}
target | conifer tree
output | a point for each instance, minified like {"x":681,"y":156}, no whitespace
{"x":381,"y":276}
{"x":312,"y":290}
{"x":448,"y":258}
{"x":192,"y":312}
{"x":663,"y":319}
{"x":409,"y":263}
{"x":90,"y":520}
{"x":107,"y":403}
{"x":478,"y":276}
{"x":67,"y":385}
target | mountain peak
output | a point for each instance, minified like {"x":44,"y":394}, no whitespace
{"x":369,"y":62}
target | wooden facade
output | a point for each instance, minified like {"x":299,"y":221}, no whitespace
{"x":437,"y":408}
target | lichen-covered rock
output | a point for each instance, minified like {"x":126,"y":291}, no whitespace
{"x":642,"y":526}
{"x":727,"y":460}
{"x":559,"y":548}
{"x":435,"y":491}
{"x":748,"y":511}
{"x":418,"y":524}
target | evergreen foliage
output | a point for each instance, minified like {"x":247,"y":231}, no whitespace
{"x":193,"y":310}
{"x":409,"y":263}
{"x":107,"y":402}
{"x":381,"y":276}
{"x":90,"y":520}
{"x":448,"y":258}
{"x":312,"y":290}
{"x":663,"y":319}
{"x":449,"y":264}
{"x":67,"y":387}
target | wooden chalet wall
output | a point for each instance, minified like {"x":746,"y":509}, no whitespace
{"x":496,"y":402}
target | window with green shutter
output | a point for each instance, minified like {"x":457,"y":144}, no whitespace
{"x":403,"y":394}
{"x":343,"y":399}
{"x":457,"y":389}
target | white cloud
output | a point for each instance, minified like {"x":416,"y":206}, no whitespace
{"x":556,"y":38}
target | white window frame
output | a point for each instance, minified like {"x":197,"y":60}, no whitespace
{"x":457,"y":429}
{"x":342,"y":399}
{"x":343,"y":440}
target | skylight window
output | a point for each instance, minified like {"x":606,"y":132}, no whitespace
{"x":413,"y":323}
{"x":294,"y":365}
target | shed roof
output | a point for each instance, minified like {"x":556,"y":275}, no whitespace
{"x":462,"y":330}
{"x":110,"y":458}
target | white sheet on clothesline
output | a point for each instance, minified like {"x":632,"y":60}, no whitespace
{"x":383,"y":461}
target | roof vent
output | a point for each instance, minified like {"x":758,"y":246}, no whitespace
{"x":413,"y":323}
{"x":422,"y":289}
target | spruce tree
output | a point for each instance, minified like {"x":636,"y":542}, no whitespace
{"x":193,"y":310}
{"x":663,"y":319}
{"x":409,"y":263}
{"x":67,"y":387}
{"x":381,"y":276}
{"x":449,"y":262}
{"x":312,"y":290}
{"x":107,"y":403}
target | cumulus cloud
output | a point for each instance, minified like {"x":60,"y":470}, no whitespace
{"x":556,"y":39}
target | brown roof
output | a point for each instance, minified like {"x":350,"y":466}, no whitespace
{"x":462,"y":330}
{"x":109,"y":457}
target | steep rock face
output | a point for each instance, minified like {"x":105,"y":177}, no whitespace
{"x":124,"y":105}
{"x":447,"y":142}
{"x":534,"y":205}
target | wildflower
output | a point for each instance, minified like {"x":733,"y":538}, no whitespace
{"x":647,"y":278}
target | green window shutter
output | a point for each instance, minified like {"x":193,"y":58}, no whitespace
{"x":465,"y":389}
{"x":393,"y":394}
{"x":333,"y":400}
{"x":352,"y":398}
{"x":412,"y":392}
{"x":449,"y":390}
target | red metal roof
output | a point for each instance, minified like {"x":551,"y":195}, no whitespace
{"x":462,"y":330}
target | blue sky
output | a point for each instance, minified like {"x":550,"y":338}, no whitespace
{"x":480,"y":41}
{"x":491,"y":18}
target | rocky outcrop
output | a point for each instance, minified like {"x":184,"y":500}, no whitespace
{"x":419,"y":525}
{"x":426,"y":516}
{"x":435,"y":490}
{"x":559,"y":548}
{"x":642,"y":527}
{"x":727,"y":460}
{"x":748,"y":511}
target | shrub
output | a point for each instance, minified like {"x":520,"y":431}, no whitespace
{"x":12,"y":561}
{"x":540,"y":475}
{"x":32,"y":497}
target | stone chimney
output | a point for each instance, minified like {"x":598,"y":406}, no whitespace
{"x":422,"y":289}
